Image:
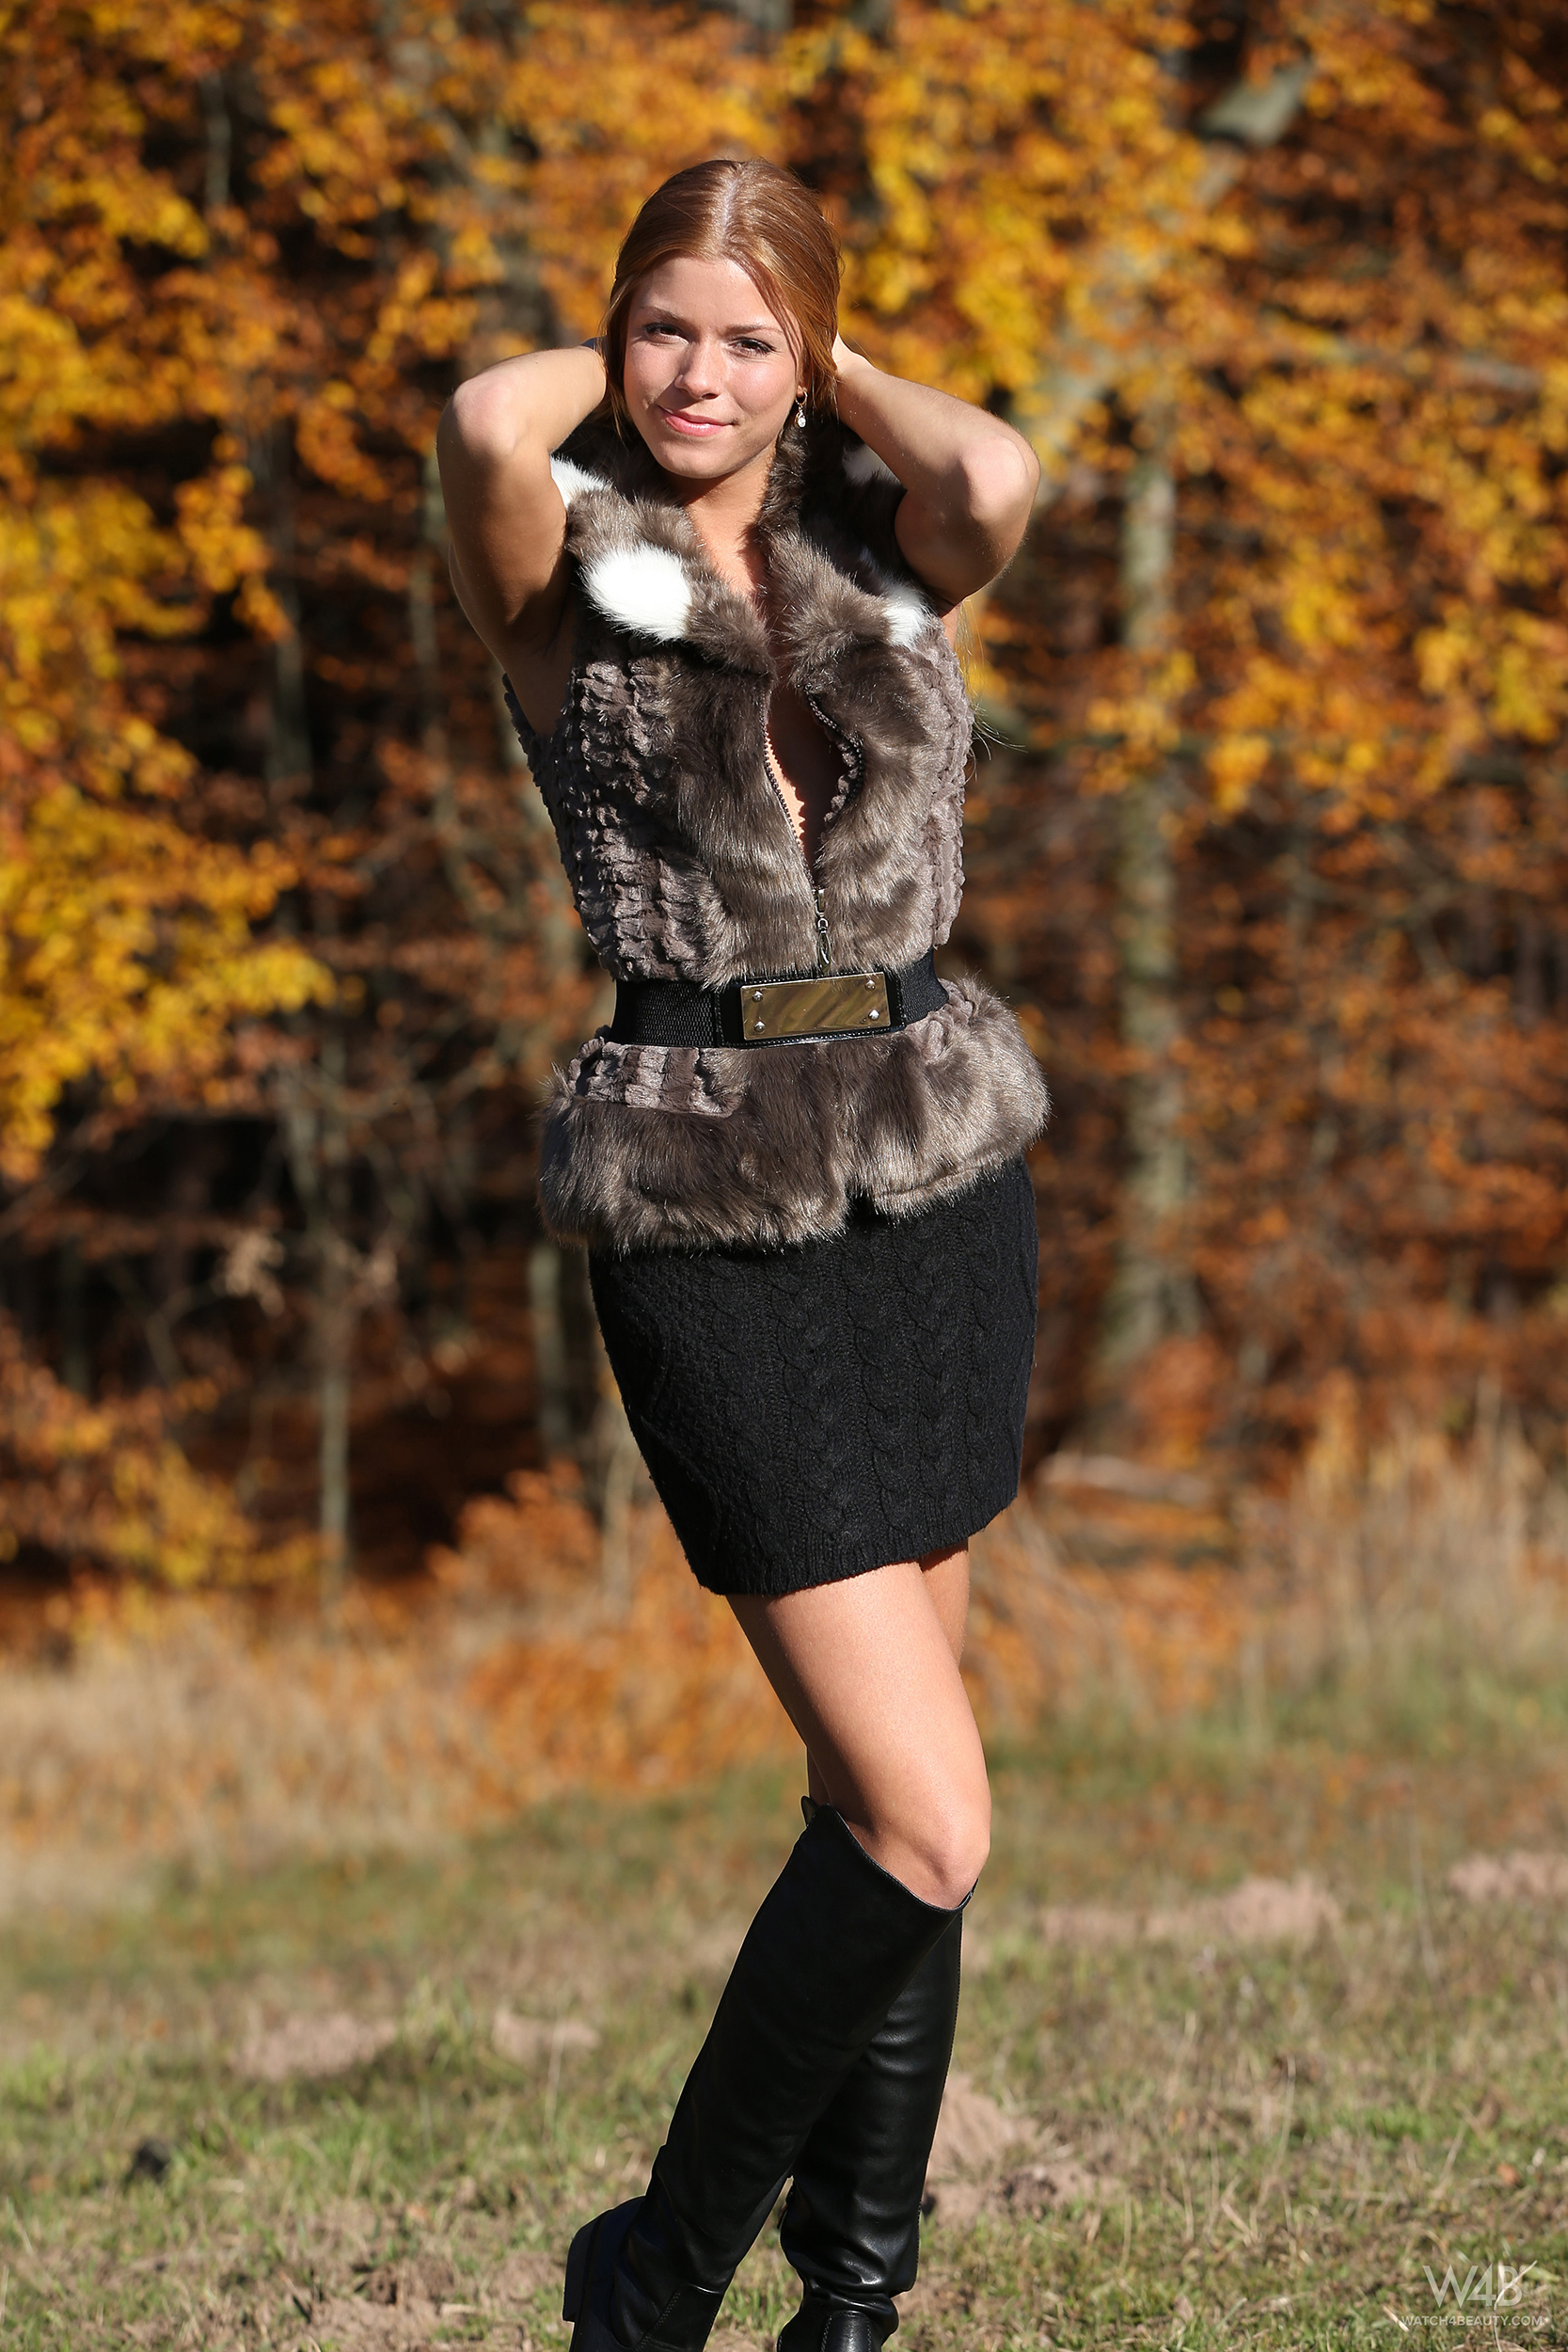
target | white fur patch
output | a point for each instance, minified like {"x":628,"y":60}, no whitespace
{"x":644,"y":589}
{"x":906,"y":614}
{"x":862,"y":465}
{"x":570,"y":481}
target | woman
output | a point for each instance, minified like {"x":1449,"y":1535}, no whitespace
{"x":726,"y":611}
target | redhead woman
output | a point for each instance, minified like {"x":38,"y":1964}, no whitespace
{"x":720,"y":566}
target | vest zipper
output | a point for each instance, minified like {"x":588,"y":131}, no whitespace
{"x":819,"y":894}
{"x":824,"y":945}
{"x":850,"y":753}
{"x":851,"y":780}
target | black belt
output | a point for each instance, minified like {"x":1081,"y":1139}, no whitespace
{"x":776,"y":1012}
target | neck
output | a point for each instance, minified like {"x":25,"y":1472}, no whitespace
{"x":724,"y":513}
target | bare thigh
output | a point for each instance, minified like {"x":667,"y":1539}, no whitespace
{"x":867,"y":1670}
{"x":946,"y":1575}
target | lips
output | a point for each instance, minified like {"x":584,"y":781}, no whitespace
{"x":695,"y":428}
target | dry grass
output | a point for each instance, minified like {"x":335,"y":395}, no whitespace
{"x":1420,"y":1581}
{"x":1417,"y":1556}
{"x":1386,"y":1575}
{"x":182,"y":1732}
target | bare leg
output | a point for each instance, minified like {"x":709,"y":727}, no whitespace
{"x":946,"y":1575}
{"x":866,"y":1670}
{"x":868,"y":1673}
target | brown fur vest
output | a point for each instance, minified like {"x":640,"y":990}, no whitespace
{"x":683,"y":862}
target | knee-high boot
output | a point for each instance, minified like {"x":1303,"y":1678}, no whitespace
{"x":852,"y":2226}
{"x":836,"y":1942}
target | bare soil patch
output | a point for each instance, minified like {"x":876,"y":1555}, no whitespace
{"x":1511,"y":1877}
{"x":524,"y":2038}
{"x":309,"y":2047}
{"x":1260,"y":1910}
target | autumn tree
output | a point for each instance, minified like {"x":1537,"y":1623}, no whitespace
{"x":1264,"y":835}
{"x":292,"y":238}
{"x":1275,"y":292}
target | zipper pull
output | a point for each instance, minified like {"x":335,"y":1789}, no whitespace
{"x":824,"y":945}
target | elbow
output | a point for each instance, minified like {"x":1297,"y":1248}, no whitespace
{"x":1001,"y":475}
{"x":479,"y":424}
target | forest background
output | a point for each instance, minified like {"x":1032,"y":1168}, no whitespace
{"x":1265,"y":839}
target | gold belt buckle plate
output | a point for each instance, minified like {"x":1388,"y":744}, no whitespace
{"x":850,"y":1000}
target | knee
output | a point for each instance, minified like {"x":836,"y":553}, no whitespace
{"x":959,"y":1855}
{"x":945,"y":1850}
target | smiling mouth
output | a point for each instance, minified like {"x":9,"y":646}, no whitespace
{"x":679,"y":422}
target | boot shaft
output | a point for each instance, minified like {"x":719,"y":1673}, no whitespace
{"x":834,"y":1943}
{"x":852,"y":2227}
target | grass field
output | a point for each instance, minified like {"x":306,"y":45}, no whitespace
{"x":1189,"y":2110}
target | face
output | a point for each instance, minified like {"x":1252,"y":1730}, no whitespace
{"x":710,"y":376}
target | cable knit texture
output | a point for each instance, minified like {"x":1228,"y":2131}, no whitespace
{"x":812,"y":1412}
{"x":685,"y":864}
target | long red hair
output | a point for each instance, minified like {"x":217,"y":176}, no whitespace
{"x":753,"y":212}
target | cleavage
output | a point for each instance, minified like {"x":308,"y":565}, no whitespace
{"x":807,"y":766}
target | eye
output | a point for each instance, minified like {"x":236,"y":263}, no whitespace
{"x":749,"y":343}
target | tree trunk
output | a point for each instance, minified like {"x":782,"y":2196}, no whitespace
{"x":764,"y":21}
{"x":76,"y":1355}
{"x":618,"y":1468}
{"x":1530,"y":970}
{"x":289,"y":755}
{"x":552,"y":1404}
{"x":1087,"y":362}
{"x":336,"y":1316}
{"x":316,"y":1142}
{"x":335,"y":1342}
{"x":315,"y":1133}
{"x":1151,"y":1292}
{"x":221,"y":143}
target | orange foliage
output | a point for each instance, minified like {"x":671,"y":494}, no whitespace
{"x":127,"y":952}
{"x":280,"y":924}
{"x":661,"y":1690}
{"x":106,"y":1487}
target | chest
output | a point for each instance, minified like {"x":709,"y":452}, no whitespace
{"x":805,"y":764}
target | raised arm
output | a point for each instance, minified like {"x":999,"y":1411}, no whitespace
{"x":969,"y":480}
{"x":507,"y":520}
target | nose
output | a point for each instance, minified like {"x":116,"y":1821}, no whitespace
{"x":702,"y":371}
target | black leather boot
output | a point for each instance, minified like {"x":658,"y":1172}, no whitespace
{"x":834,"y":1943}
{"x":852,"y":2226}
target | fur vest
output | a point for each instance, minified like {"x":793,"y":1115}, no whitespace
{"x":685,"y":864}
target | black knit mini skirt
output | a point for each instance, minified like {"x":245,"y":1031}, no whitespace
{"x":811,"y":1412}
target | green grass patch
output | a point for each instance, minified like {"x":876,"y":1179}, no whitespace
{"x":1194,"y":2138}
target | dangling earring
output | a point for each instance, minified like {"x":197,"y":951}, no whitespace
{"x":800,"y":414}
